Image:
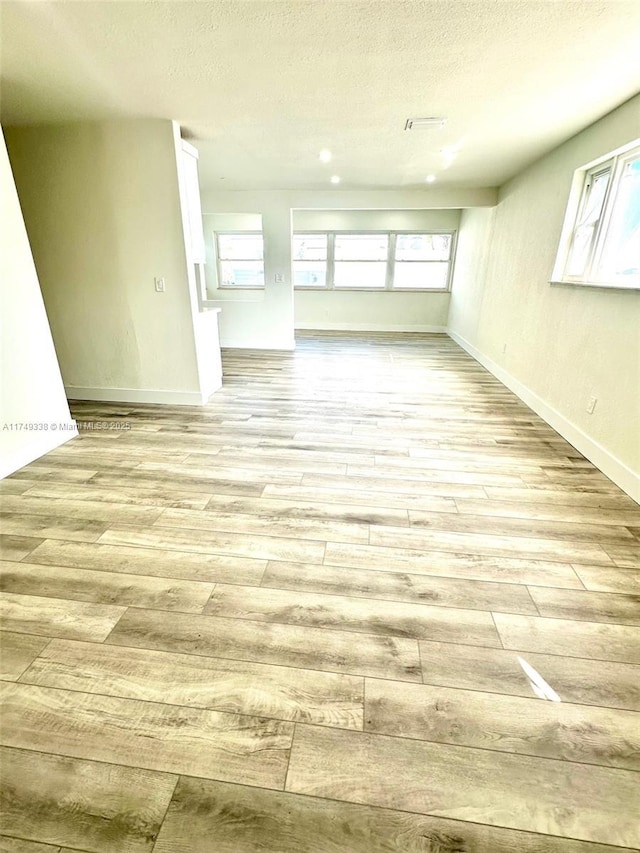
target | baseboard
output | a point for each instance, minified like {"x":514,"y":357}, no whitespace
{"x":42,"y":442}
{"x":136,"y":395}
{"x":216,"y":386}
{"x":365,"y":327}
{"x":610,"y":465}
{"x":279,"y":346}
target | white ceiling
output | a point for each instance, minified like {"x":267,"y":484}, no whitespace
{"x":262,"y":85}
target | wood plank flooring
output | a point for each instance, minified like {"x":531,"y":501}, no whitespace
{"x":363,"y":601}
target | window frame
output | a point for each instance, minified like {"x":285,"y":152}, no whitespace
{"x":448,"y":261}
{"x":390,"y":260}
{"x":614,"y":163}
{"x":329,"y":270}
{"x":219,"y":260}
{"x":590,"y":177}
{"x":358,"y":233}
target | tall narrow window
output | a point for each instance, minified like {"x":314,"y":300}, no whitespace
{"x":240,"y":260}
{"x":600,"y":242}
{"x":422,"y":261}
{"x":586,"y":229}
{"x":310,"y":260}
{"x":360,"y":261}
{"x":619,"y":260}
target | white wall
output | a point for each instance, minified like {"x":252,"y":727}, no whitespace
{"x":102,"y":208}
{"x":266,"y":319}
{"x":555,"y":345}
{"x":31,"y":390}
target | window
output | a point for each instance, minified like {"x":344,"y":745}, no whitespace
{"x":619,"y":258}
{"x":360,"y":260}
{"x":310,"y":260}
{"x":373,"y":260}
{"x":240,"y":259}
{"x":422,"y":261}
{"x":587,"y":222}
{"x":601,"y":236}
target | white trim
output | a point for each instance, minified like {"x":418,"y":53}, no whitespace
{"x":189,"y":149}
{"x":257,"y":343}
{"x":208,"y":393}
{"x":613,"y":164}
{"x":321,"y":326}
{"x":307,"y":288}
{"x":617,"y":152}
{"x":136,"y":395}
{"x":44,"y":442}
{"x":219,"y":261}
{"x":616,"y":470}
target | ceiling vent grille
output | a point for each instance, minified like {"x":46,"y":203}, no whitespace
{"x":430,"y":123}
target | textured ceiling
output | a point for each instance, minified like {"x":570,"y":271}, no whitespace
{"x":262,"y":86}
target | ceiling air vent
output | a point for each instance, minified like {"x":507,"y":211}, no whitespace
{"x":433,"y":123}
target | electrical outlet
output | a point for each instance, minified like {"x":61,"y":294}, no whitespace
{"x":591,"y":404}
{"x":279,"y":278}
{"x":159,"y":283}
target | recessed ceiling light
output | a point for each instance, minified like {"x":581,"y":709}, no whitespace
{"x":431,"y":122}
{"x":325,"y":155}
{"x":335,"y":179}
{"x":430,"y":179}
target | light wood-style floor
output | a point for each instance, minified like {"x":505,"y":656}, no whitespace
{"x":363,"y":601}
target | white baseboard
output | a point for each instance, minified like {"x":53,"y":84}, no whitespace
{"x":136,"y":395}
{"x":40,"y":443}
{"x":616,"y":470}
{"x":209,"y":392}
{"x":274,"y":346}
{"x":366,"y":327}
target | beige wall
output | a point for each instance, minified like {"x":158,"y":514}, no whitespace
{"x":445,"y":219}
{"x":472,"y":261}
{"x":350,"y":310}
{"x":102,"y":209}
{"x":555,"y":345}
{"x":31,"y":390}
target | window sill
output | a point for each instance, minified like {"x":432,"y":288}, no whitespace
{"x":594,"y":285}
{"x":371,"y":290}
